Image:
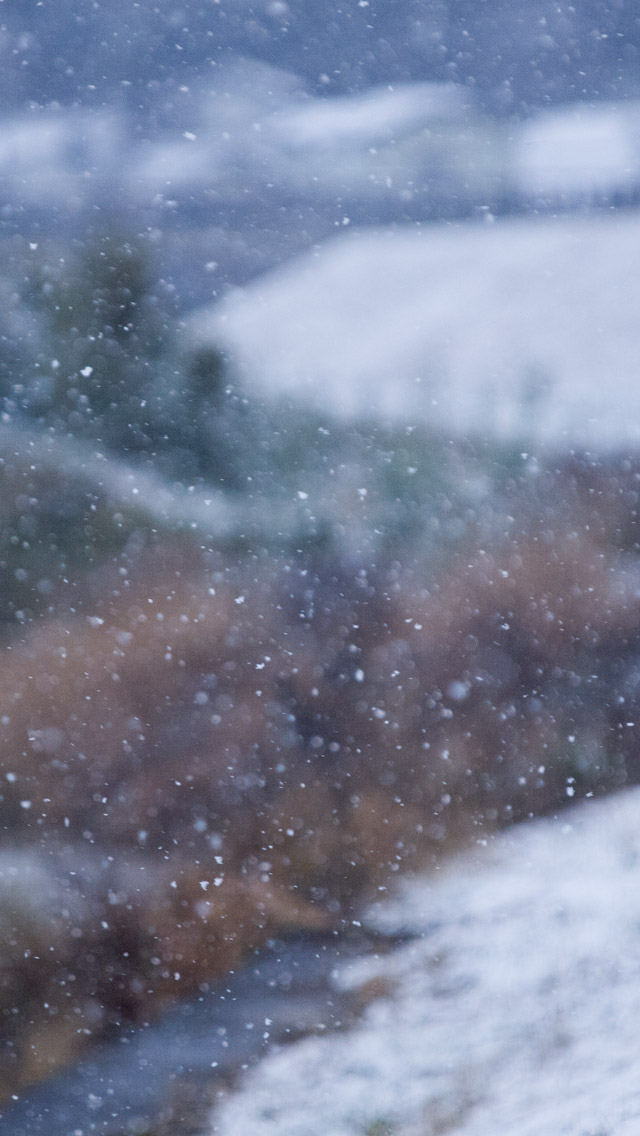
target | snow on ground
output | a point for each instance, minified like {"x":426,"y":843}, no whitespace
{"x":381,"y":114}
{"x":50,"y":158}
{"x":516,"y":1011}
{"x":375,"y":152}
{"x":522,"y":327}
{"x":579,"y":151}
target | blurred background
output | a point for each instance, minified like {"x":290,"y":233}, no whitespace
{"x":220,"y":216}
{"x":443,"y":193}
{"x":336,"y":303}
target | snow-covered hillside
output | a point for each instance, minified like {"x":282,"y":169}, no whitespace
{"x":515,"y":1012}
{"x":521,"y":327}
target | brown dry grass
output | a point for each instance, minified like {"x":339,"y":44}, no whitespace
{"x":207,"y":756}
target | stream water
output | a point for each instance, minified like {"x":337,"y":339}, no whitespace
{"x":164,"y":1078}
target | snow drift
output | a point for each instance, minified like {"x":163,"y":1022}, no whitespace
{"x":515,"y":1011}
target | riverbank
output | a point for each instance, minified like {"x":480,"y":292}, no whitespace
{"x":515,"y":1009}
{"x":164,"y":1078}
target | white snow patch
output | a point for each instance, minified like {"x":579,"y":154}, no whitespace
{"x":516,"y":1011}
{"x":378,"y":115}
{"x":522,"y":328}
{"x":579,"y":151}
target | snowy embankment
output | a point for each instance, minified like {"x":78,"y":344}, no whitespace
{"x":142,"y":496}
{"x":516,"y":1011}
{"x":521,"y":328}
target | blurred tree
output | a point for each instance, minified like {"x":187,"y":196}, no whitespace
{"x":107,"y":333}
{"x":116,"y":375}
{"x":200,"y":423}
